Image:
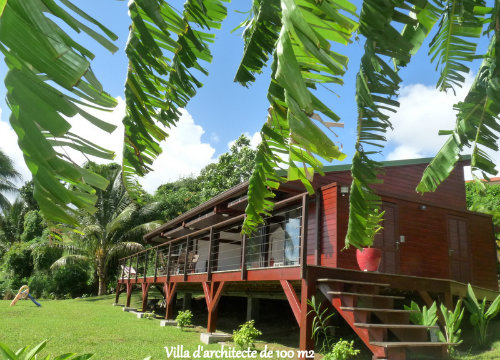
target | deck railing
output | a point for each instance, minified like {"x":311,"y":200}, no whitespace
{"x":278,"y":242}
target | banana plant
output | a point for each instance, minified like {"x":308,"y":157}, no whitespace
{"x":50,"y":77}
{"x":481,"y":314}
{"x":452,"y":320}
{"x":423,"y":316}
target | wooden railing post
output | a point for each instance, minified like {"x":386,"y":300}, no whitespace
{"x":136,"y":267}
{"x":244,"y":257}
{"x":210,"y":254}
{"x":122,"y":266}
{"x":146,"y":264}
{"x":303,"y":235}
{"x":168,"y":261}
{"x":156,"y":264}
{"x":186,"y":259}
{"x":129,"y":268}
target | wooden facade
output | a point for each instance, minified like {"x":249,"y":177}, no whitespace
{"x":432,"y":246}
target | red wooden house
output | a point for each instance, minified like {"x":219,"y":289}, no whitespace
{"x":432,"y":247}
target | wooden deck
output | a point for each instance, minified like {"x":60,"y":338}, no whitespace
{"x":359,"y":297}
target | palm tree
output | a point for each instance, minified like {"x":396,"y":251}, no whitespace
{"x":299,"y":37}
{"x":11,"y":222}
{"x":7,"y":175}
{"x":113,"y":230}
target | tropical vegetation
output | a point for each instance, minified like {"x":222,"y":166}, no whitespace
{"x":7,"y":177}
{"x":302,"y":40}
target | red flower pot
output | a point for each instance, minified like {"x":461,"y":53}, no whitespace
{"x":368,"y":258}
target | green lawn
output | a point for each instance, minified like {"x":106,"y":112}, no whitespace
{"x":92,"y":325}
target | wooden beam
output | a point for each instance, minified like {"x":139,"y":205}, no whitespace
{"x":306,"y":320}
{"x":293,"y":299}
{"x":145,"y":290}
{"x":156,"y":263}
{"x":129,"y":293}
{"x":145,"y":264}
{"x":213,"y":292}
{"x":303,"y":235}
{"x":317,"y":250}
{"x":169,"y":290}
{"x":136,"y":267}
{"x":117,"y":296}
{"x":168,"y":261}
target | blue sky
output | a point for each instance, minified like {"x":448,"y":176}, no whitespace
{"x":222,"y":109}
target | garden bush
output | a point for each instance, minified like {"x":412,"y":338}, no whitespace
{"x":184,"y":318}
{"x":18,"y":261}
{"x":41,"y":285}
{"x":70,"y":279}
{"x":45,"y":255}
{"x":245,"y":336}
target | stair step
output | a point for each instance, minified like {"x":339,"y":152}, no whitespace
{"x":348,"y":308}
{"x":394,"y":326}
{"x":410,"y":344}
{"x":366,"y":295}
{"x":353,"y":282}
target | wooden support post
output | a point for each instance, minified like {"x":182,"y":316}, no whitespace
{"x":117,"y":296}
{"x":168,"y":261}
{"x":213,"y":292}
{"x":303,"y":235}
{"x":129,"y":293}
{"x":145,"y":290}
{"x":210,"y":254}
{"x":186,"y":260}
{"x":186,"y":301}
{"x":122,"y":267}
{"x":169,"y":290}
{"x":317,"y":250}
{"x":293,"y":299}
{"x":156,"y":264}
{"x":244,"y":257}
{"x":306,"y":319}
{"x":253,"y":308}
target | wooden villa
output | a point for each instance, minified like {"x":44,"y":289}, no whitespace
{"x":432,"y":247}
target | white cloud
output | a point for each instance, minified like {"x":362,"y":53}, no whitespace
{"x":423,"y":112}
{"x":183,"y":151}
{"x":183,"y":154}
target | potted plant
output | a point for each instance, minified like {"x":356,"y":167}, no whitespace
{"x":369,"y":258}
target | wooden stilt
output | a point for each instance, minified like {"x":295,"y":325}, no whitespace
{"x":169,"y":289}
{"x":129,"y":293}
{"x":213,"y":292}
{"x":145,"y":290}
{"x":117,"y":296}
{"x":306,"y":318}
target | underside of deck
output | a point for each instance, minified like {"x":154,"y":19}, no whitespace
{"x":370,"y":302}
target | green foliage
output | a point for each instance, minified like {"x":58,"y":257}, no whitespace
{"x":425,"y":316}
{"x":18,"y":260}
{"x":44,"y":254}
{"x":484,"y":198}
{"x":70,"y":279}
{"x":8,"y":174}
{"x":342,"y":350}
{"x":184,"y":318}
{"x":149,"y":316}
{"x":26,"y":353}
{"x":245,"y":336}
{"x":481,"y":314}
{"x":34,"y":225}
{"x":320,"y":325}
{"x":452,"y":331}
{"x":26,"y":193}
{"x":41,"y":285}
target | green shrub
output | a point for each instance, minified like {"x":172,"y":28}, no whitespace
{"x":245,"y":336}
{"x":184,"y":318}
{"x":44,"y":255}
{"x":33,"y":225}
{"x":452,"y":329}
{"x":480,"y":314}
{"x":70,"y":279}
{"x":342,"y":350}
{"x":26,"y":354}
{"x":40,"y":285}
{"x":18,"y":260}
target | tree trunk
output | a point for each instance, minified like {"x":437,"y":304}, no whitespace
{"x":101,"y":273}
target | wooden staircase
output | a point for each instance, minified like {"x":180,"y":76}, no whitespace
{"x":385,"y":330}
